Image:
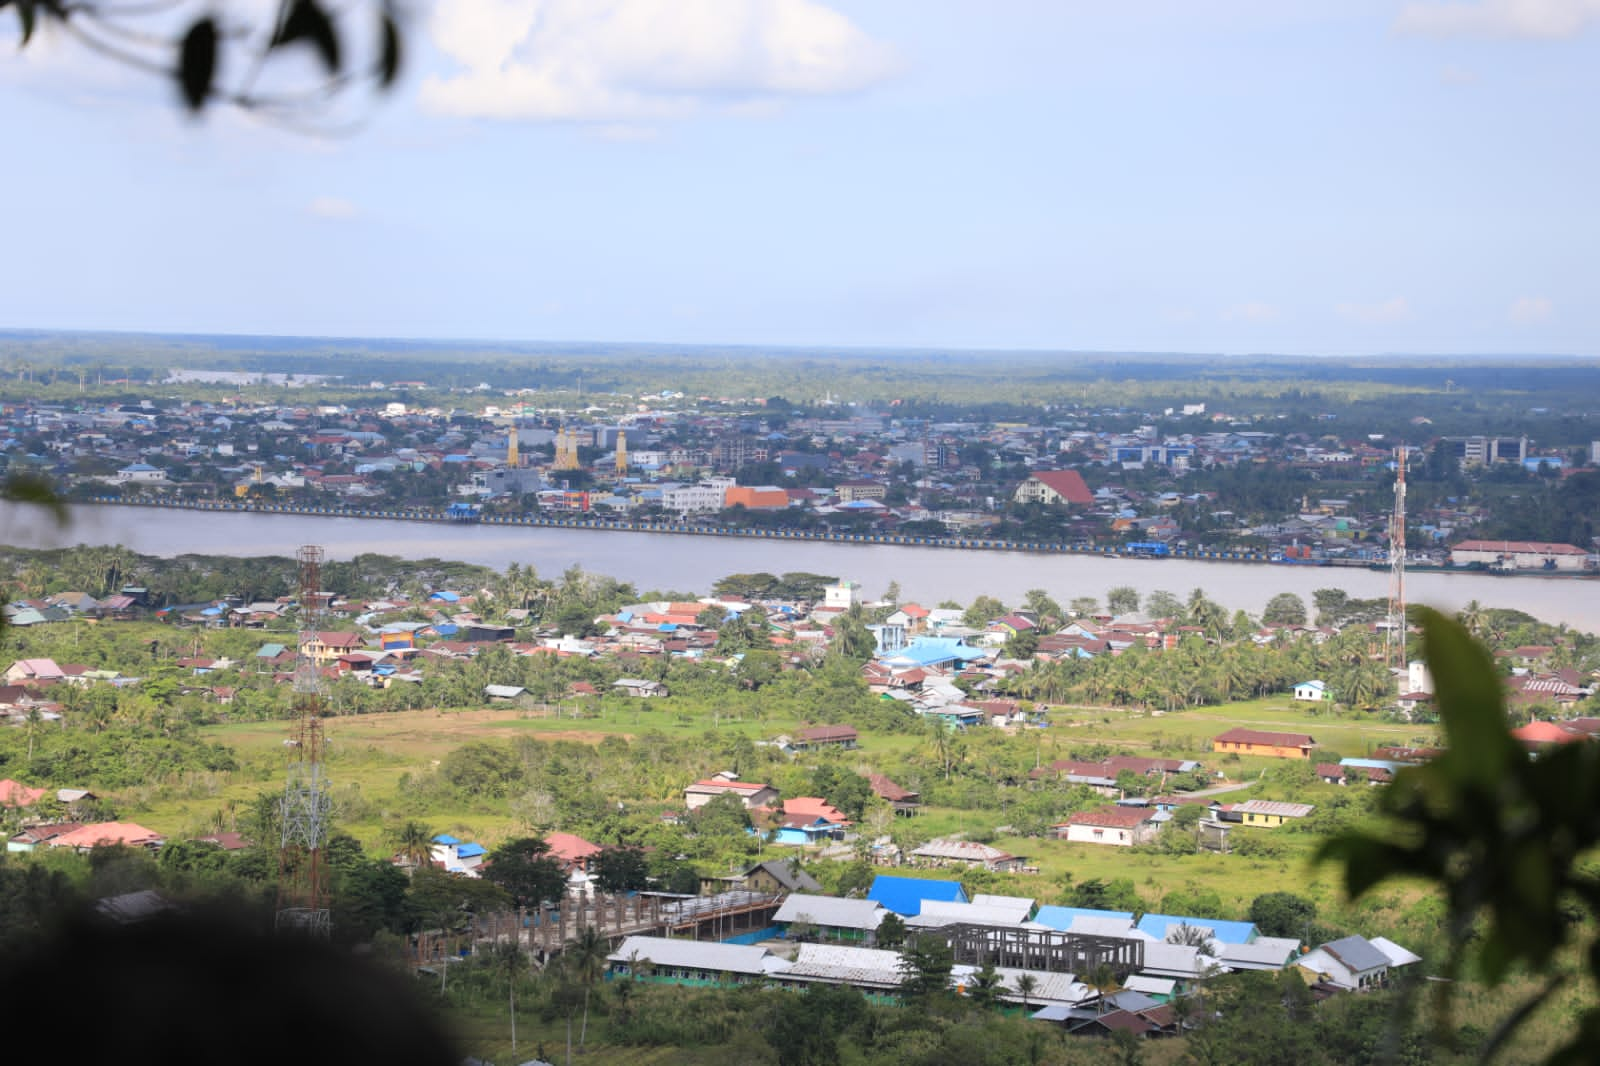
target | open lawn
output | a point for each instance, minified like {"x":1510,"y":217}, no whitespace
{"x":1188,"y":733}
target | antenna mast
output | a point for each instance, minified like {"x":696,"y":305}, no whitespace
{"x":303,"y":811}
{"x":1395,"y":639}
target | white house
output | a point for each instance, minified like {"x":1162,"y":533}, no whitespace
{"x":1121,"y":826}
{"x":1311,"y":691}
{"x":1356,"y":963}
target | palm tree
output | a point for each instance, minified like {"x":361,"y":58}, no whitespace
{"x":1103,"y":979}
{"x":587,"y":957}
{"x":1026,"y":985}
{"x":509,"y":960}
{"x":415,"y":843}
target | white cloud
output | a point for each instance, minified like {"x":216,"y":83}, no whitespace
{"x":1453,"y":75}
{"x":1250,"y":312}
{"x":1535,"y":19}
{"x":1385,"y":311}
{"x":331,"y":207}
{"x":628,"y":61}
{"x":1528,"y":309}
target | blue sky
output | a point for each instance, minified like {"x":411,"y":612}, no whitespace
{"x":1291,"y":176}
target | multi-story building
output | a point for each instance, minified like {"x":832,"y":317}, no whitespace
{"x":1485,"y":451}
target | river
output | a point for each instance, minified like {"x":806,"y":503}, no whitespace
{"x":688,"y":563}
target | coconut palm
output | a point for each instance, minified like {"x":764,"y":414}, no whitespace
{"x":1026,"y":985}
{"x":1103,"y":979}
{"x":587,"y":958}
{"x":415,"y":844}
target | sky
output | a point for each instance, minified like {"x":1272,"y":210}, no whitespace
{"x":1232,"y":176}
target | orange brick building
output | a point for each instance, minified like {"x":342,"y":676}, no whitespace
{"x":756,"y":497}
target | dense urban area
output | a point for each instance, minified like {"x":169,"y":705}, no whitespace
{"x":797,"y":817}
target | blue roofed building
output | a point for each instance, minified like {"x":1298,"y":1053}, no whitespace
{"x":1160,"y":926}
{"x":905,"y":895}
{"x":1062,"y":917}
{"x":934,"y":651}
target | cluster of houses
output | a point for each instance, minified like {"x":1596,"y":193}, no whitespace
{"x":683,"y":457}
{"x":1050,"y":961}
{"x":56,"y":818}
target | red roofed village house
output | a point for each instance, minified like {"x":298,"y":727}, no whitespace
{"x":750,"y":793}
{"x":1257,"y":742}
{"x":1123,"y":826}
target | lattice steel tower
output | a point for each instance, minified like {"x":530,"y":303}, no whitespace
{"x":1395,"y":639}
{"x":303,"y":811}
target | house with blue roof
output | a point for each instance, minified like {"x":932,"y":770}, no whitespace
{"x":905,"y":895}
{"x":1160,"y":926}
{"x":1062,"y":917}
{"x":457,"y":856}
{"x":934,"y":651}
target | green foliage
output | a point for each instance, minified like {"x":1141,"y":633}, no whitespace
{"x":1118,"y":895}
{"x":524,"y":868}
{"x":926,"y":961}
{"x":482,"y":769}
{"x":624,"y":869}
{"x":1506,"y":837}
{"x":1282,"y":914}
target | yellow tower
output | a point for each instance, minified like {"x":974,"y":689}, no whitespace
{"x":566,"y":449}
{"x":513,"y":460}
{"x":622,"y":452}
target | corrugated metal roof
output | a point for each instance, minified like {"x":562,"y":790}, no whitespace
{"x":694,"y":954}
{"x":1160,"y":926}
{"x":904,"y":895}
{"x":937,"y":912}
{"x":831,"y":911}
{"x":1357,"y":953}
{"x":837,"y":963}
{"x":1062,"y":917}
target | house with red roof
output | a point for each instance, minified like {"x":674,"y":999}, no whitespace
{"x":1536,"y":735}
{"x":16,"y":794}
{"x":903,"y":800}
{"x":750,"y":793}
{"x":1120,"y":826}
{"x":826,"y":736}
{"x":104,"y":834}
{"x":1260,"y":742}
{"x":1051,"y":487}
{"x":571,"y":851}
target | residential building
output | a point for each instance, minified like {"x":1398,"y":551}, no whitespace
{"x":1269,"y":813}
{"x":691,"y":962}
{"x":816,"y":917}
{"x":1121,"y":826}
{"x":1260,"y":742}
{"x":750,"y":793}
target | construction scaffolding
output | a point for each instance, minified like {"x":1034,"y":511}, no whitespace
{"x":303,"y":810}
{"x":1040,"y":949}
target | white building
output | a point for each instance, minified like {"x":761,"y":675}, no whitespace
{"x":142,"y":473}
{"x":843,"y":596}
{"x":707,"y":495}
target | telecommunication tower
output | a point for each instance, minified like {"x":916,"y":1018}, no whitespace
{"x":1395,"y":639}
{"x":303,"y":811}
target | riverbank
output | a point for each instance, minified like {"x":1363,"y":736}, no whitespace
{"x":658,"y":561}
{"x":693,"y":529}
